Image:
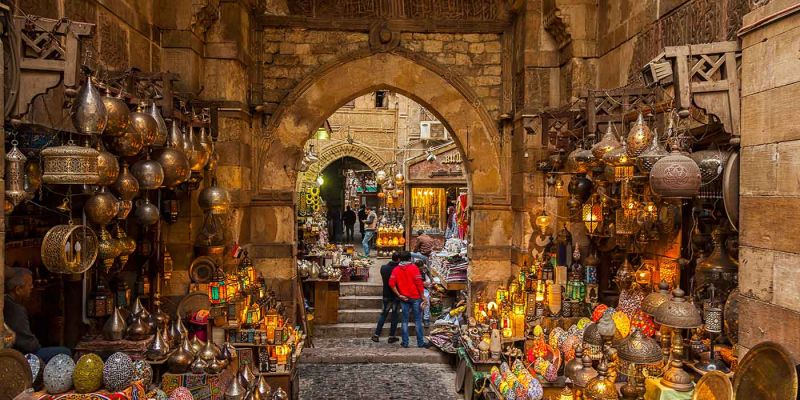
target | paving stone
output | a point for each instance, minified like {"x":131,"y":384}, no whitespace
{"x":377,"y":381}
{"x":363,"y":350}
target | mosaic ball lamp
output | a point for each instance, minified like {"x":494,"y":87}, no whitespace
{"x":118,"y":372}
{"x":58,"y":374}
{"x":88,"y":375}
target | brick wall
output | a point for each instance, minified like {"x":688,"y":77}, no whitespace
{"x":770,"y":182}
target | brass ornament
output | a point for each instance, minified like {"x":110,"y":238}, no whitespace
{"x":607,"y":143}
{"x":180,"y":360}
{"x":148,"y":173}
{"x":88,"y":111}
{"x":126,"y":185}
{"x":235,"y":390}
{"x":146,"y":212}
{"x":107,"y":166}
{"x":108,"y":249}
{"x":158,"y":348}
{"x":175,"y":166}
{"x":639,"y":137}
{"x":601,"y":387}
{"x":145,"y":124}
{"x":161,"y":135}
{"x":69,"y":249}
{"x":115,"y":326}
{"x":137,"y":329}
{"x":70,"y":165}
{"x":101,"y":208}
{"x":15,"y":175}
{"x":119,"y":116}
{"x":129,"y":144}
{"x":675,"y":176}
{"x":214,"y":199}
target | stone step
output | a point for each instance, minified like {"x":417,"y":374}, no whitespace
{"x":360,"y":289}
{"x":361,"y":351}
{"x":360,"y":302}
{"x":360,"y":315}
{"x":356,"y":330}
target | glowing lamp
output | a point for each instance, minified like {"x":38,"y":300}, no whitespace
{"x":501,"y":296}
{"x":668,"y":271}
{"x":543,"y":221}
{"x":592,"y":216}
{"x":566,"y":394}
{"x":644,"y":274}
{"x":622,"y":323}
{"x":271,"y":321}
{"x":507,"y":325}
{"x":491,"y":309}
{"x":282,"y":353}
{"x":322,"y":134}
{"x":232,"y":287}
{"x":253,"y":314}
{"x":479,"y":311}
{"x":217,"y":290}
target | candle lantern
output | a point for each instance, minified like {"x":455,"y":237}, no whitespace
{"x":101,"y":302}
{"x":501,"y":295}
{"x":271,"y":321}
{"x":645,"y":273}
{"x":668,"y":271}
{"x":123,"y":294}
{"x":253,"y":314}
{"x":282,"y":353}
{"x":232,"y":288}
{"x":506,"y":325}
{"x":592,"y":214}
{"x":217,"y":293}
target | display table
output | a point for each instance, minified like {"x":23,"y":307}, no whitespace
{"x":202,"y":386}
{"x":104,"y":348}
{"x":654,"y":390}
{"x":325,"y":294}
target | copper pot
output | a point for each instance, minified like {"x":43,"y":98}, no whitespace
{"x":119,"y":116}
{"x":107,"y":166}
{"x":101,"y":208}
{"x":148,"y":173}
{"x":126,"y":186}
{"x":129,"y":144}
{"x":145,"y":124}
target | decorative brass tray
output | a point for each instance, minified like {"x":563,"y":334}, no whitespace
{"x":714,"y":385}
{"x":15,"y":372}
{"x":767,"y":372}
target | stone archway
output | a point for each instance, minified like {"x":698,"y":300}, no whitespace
{"x":332,"y":153}
{"x":440,"y":90}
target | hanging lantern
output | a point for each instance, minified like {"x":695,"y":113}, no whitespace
{"x":380,"y":177}
{"x":88,"y":111}
{"x":501,"y":295}
{"x":15,"y":175}
{"x":70,"y":165}
{"x":675,"y":176}
{"x":162,"y":131}
{"x":607,"y":143}
{"x":399,"y":178}
{"x":122,"y":294}
{"x":639,"y":137}
{"x":69,"y":249}
{"x":592,"y":214}
{"x":101,"y":302}
{"x":217,"y":290}
{"x":651,"y":155}
{"x":322,"y":134}
{"x":145,"y":125}
{"x":231,"y":287}
{"x":543,"y":221}
{"x":214,"y":199}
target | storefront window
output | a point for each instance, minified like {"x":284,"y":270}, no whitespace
{"x":428,"y":210}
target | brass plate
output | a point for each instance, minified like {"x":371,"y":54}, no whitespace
{"x":730,"y":189}
{"x":714,"y":385}
{"x":192,"y":302}
{"x":16,"y":374}
{"x":767,"y":372}
{"x":202,"y":269}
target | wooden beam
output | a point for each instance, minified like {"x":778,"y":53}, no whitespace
{"x":363,"y":24}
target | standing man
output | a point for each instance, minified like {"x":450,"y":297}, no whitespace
{"x":349,"y":219}
{"x":370,"y":226}
{"x":362,"y":216}
{"x":406,"y":282}
{"x":423,"y":247}
{"x":390,"y":302}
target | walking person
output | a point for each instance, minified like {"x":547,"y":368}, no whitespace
{"x":390,"y":302}
{"x":362,"y":216}
{"x":370,"y":226}
{"x":349,"y":219}
{"x":406,"y":282}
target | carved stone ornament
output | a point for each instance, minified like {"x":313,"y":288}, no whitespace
{"x":557,"y":25}
{"x":382,"y":38}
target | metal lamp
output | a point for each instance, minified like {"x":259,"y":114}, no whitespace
{"x":677,"y":313}
{"x":637,"y":349}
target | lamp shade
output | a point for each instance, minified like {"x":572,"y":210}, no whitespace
{"x":678,"y":313}
{"x":654,"y":300}
{"x":639,"y":349}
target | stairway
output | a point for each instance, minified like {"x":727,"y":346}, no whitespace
{"x":360,"y":306}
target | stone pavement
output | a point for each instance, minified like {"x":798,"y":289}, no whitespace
{"x":364,"y":350}
{"x":377,"y":381}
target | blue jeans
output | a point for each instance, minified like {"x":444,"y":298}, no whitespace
{"x":46,"y":353}
{"x":419,"y":256}
{"x":388,"y":305}
{"x":408,"y":306}
{"x":368,"y":235}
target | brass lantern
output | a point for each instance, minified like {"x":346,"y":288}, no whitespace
{"x":592,"y":214}
{"x":15,"y":175}
{"x":214,"y":199}
{"x":69,"y":249}
{"x":601,"y":387}
{"x":606,"y":144}
{"x":88,"y":111}
{"x":217,"y":289}
{"x":70,"y":165}
{"x":639,"y":137}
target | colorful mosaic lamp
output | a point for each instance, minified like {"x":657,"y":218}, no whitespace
{"x":217,"y":290}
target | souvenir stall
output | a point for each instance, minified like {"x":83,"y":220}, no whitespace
{"x":391,"y":216}
{"x":437,"y":203}
{"x":630,"y":287}
{"x":98,"y":168}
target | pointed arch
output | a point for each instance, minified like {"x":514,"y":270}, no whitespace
{"x":332,"y":153}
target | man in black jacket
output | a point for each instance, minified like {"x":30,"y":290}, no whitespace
{"x":390,"y":302}
{"x":362,"y":216}
{"x":349,"y":219}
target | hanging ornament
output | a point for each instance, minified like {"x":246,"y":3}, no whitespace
{"x":161,"y":132}
{"x":70,"y":165}
{"x":88,"y":111}
{"x":145,"y":124}
{"x":118,"y":115}
{"x":148,"y":173}
{"x":639,"y":137}
{"x":15,"y":175}
{"x":651,"y":155}
{"x":607,"y":143}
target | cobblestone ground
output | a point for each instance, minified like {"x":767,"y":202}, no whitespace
{"x":377,"y":381}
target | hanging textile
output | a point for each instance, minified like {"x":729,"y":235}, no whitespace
{"x":462,"y":216}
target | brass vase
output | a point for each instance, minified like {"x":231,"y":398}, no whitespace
{"x":180,"y":360}
{"x":148,"y":173}
{"x":158,"y":348}
{"x":161,"y":135}
{"x":108,"y":249}
{"x":88,"y":110}
{"x":126,"y":185}
{"x":115,"y":326}
{"x":101,"y":208}
{"x":118,"y":115}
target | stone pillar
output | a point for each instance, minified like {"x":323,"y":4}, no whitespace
{"x":491,"y":228}
{"x":770,"y":179}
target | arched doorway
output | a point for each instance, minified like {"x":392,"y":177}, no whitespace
{"x":336,"y":152}
{"x":440,"y":90}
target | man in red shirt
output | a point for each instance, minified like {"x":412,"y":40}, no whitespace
{"x":406,"y":282}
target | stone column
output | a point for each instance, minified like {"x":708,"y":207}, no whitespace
{"x":769,"y":212}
